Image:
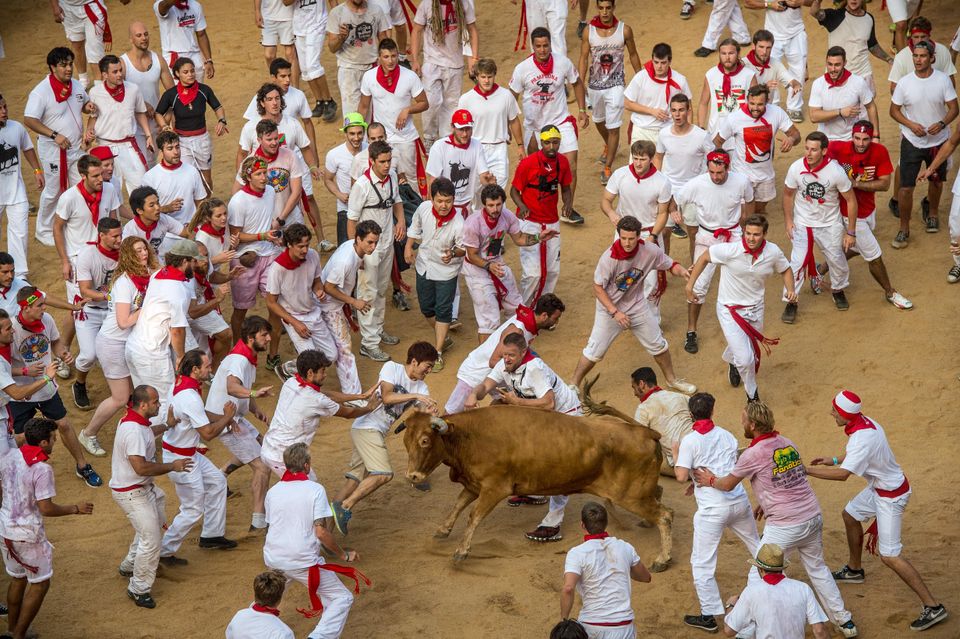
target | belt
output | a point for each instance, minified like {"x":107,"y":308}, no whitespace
{"x":190,"y":134}
{"x":608,"y":624}
{"x":126,"y":489}
{"x":133,"y":142}
{"x":722,"y":233}
{"x":186,"y":452}
{"x":896,"y":492}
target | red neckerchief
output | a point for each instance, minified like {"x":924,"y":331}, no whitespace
{"x":202,"y":280}
{"x":760,"y":438}
{"x":669,"y":81}
{"x":143,"y":226}
{"x":449,"y":15}
{"x":703,"y":426}
{"x":113,"y":255}
{"x":187,"y":94}
{"x":170,"y":273}
{"x":443,"y":219}
{"x":754,"y":253}
{"x":727,"y":87}
{"x":650,"y":392}
{"x":527,"y":317}
{"x":814,"y":170}
{"x":388,"y":80}
{"x":61,"y":90}
{"x":858,"y":423}
{"x":182,"y":4}
{"x":287,"y":262}
{"x":92,"y":200}
{"x":117,"y":94}
{"x":304,"y":383}
{"x":288,"y":476}
{"x":528,"y":356}
{"x":760,"y":66}
{"x":6,"y":353}
{"x":136,"y":418}
{"x":207,"y":228}
{"x":140,"y":281}
{"x":596,"y":22}
{"x":35,"y":326}
{"x":255,"y":193}
{"x":266,"y":609}
{"x":33,"y":454}
{"x":241,"y":348}
{"x":601,"y":535}
{"x":545,"y":68}
{"x":185,"y":383}
{"x":617,"y":251}
{"x":171,"y":167}
{"x":491,"y":224}
{"x":451,"y":140}
{"x":260,"y":153}
{"x":839,"y":81}
{"x":373,"y":177}
{"x":492,"y":90}
{"x":761,"y":119}
{"x":650,"y":171}
{"x":4,"y":290}
{"x":773,"y":578}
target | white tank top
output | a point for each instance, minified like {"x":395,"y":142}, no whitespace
{"x":606,"y":59}
{"x":147,"y":81}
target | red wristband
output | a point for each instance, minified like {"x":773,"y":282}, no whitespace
{"x":712,"y":480}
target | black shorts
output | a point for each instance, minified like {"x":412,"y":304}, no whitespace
{"x":436,"y":298}
{"x":23,"y":412}
{"x":912,"y":157}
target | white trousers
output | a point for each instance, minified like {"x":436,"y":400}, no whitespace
{"x":346,"y":362}
{"x":955,"y":225}
{"x":335,"y":597}
{"x":203,"y":494}
{"x":443,"y":86}
{"x":348,"y":81}
{"x":807,"y":539}
{"x":498,"y":161}
{"x":551,"y":14}
{"x":320,"y":338}
{"x":704,"y":240}
{"x":604,"y":632}
{"x":18,"y":215}
{"x":644,"y":324}
{"x":739,"y":351}
{"x":793,"y":52}
{"x":708,"y":527}
{"x":725,"y":13}
{"x":539,"y":264}
{"x":486,"y":309}
{"x":87,"y":330}
{"x":49,"y":156}
{"x":127,"y":165}
{"x":144,"y":508}
{"x":154,"y":369}
{"x":830,"y":241}
{"x":373,"y":285}
{"x":554,"y":516}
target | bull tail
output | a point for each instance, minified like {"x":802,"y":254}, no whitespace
{"x":595,"y":407}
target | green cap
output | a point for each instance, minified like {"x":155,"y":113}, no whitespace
{"x":353,"y":119}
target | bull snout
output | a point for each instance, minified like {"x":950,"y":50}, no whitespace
{"x":416,"y":477}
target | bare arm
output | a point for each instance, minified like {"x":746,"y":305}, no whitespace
{"x":203,"y":41}
{"x":703,"y":107}
{"x":879,"y":52}
{"x":48,"y":508}
{"x":788,"y":198}
{"x":92,"y":294}
{"x":606,"y":205}
{"x":631,"y":45}
{"x":217,"y":422}
{"x":568,"y":591}
{"x":639,"y":572}
{"x":166,"y":78}
{"x":177,"y":339}
{"x":152,"y":469}
{"x":583,"y":64}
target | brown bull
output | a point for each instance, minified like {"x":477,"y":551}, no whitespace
{"x":498,"y":451}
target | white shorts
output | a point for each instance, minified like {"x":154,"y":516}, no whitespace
{"x":643,"y":325}
{"x":568,"y":139}
{"x":689,"y":215}
{"x":405,"y":156}
{"x":609,"y":632}
{"x":197,"y":150}
{"x":28,"y":559}
{"x":889,"y":514}
{"x":498,"y":161}
{"x":900,"y":10}
{"x":867,"y":245}
{"x":111,"y":357}
{"x":276,"y":32}
{"x":764,"y":191}
{"x":242,"y":444}
{"x":309,"y":50}
{"x":79,"y":28}
{"x":209,"y":325}
{"x":607,"y":106}
{"x":640,"y":133}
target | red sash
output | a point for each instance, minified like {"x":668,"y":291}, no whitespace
{"x":313,"y":583}
{"x":757,"y":338}
{"x":95,"y":19}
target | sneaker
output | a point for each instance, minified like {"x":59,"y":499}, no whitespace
{"x":894,"y":207}
{"x":734,"y":376}
{"x":678,"y":232}
{"x":125,"y":572}
{"x":375,"y":354}
{"x":848,"y":629}
{"x":682,"y":386}
{"x":143,"y":601}
{"x":789,"y":313}
{"x":605,"y":173}
{"x":438,"y":365}
{"x":603,"y":156}
{"x":173,"y":560}
{"x":795,"y":115}
{"x":91,"y":444}
{"x":849,"y":575}
{"x":931,"y":615}
{"x":901,"y":240}
{"x":3,"y":607}
{"x":686,"y":11}
{"x":217,"y":543}
{"x":326,"y":246}
{"x":273,"y":362}
{"x":404,"y":62}
{"x":953,"y":275}
{"x":289,"y":368}
{"x":63,"y":369}
{"x":526,"y":500}
{"x":456,"y":324}
{"x":840,"y":300}
{"x":89,"y":475}
{"x":280,"y":369}
{"x":341,"y":516}
{"x":317,"y":110}
{"x":545,"y":533}
{"x":329,"y":113}
{"x":447,"y":344}
{"x":704,"y":52}
{"x":388,"y":339}
{"x":258,"y":530}
{"x":80,"y":397}
{"x":400,"y":301}
{"x":933,"y":225}
{"x":703,"y":622}
{"x":423,"y":487}
{"x":573,"y":218}
{"x":580,"y":28}
{"x":755,"y":398}
{"x":900,"y":301}
{"x":691,"y":344}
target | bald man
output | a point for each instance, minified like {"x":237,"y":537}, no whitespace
{"x":148,"y":71}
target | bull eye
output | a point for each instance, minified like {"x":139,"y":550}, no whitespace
{"x":424,"y":442}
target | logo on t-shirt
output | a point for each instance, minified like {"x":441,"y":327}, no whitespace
{"x":814,"y":191}
{"x":459,"y":175}
{"x":362,"y":34}
{"x":624,"y":281}
{"x":9,"y":157}
{"x":278,"y":178}
{"x":758,"y":141}
{"x":187,"y":20}
{"x":544,"y":91}
{"x":34,"y":348}
{"x":495,"y":245}
{"x":395,"y":410}
{"x":788,"y":470}
{"x":731,"y":101}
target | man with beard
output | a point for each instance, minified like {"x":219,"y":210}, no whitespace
{"x":840,"y":98}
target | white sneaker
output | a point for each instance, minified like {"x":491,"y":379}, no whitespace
{"x":953,"y":275}
{"x":92,"y":444}
{"x":375,"y":354}
{"x":575,"y":389}
{"x":900,"y":301}
{"x":326,"y":246}
{"x":63,"y":369}
{"x":683,"y":386}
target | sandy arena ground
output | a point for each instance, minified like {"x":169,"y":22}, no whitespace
{"x":899,"y":362}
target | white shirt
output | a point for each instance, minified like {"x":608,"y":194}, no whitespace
{"x":6,"y":381}
{"x":650,"y":93}
{"x":462,"y":166}
{"x":183,"y":182}
{"x":817,"y":202}
{"x":869,"y":455}
{"x":434,"y":241}
{"x":276,"y":11}
{"x":188,"y":409}
{"x":14,"y":140}
{"x":123,"y":291}
{"x":855,"y":91}
{"x":291,"y":509}
{"x":393,"y":373}
{"x":292,"y":135}
{"x":23,"y":487}
{"x":372,"y":199}
{"x":80,"y":227}
{"x":165,"y":306}
{"x":449,"y":53}
{"x":924,"y":100}
{"x":280,"y":172}
{"x":543,"y":92}
{"x":338,"y":162}
{"x":179,"y":28}
{"x":533,"y":379}
{"x":233,"y":365}
{"x":639,"y":197}
{"x":775,"y":71}
{"x":780,"y":611}
{"x":252,"y":624}
{"x":34,"y":348}
{"x":742,"y":278}
{"x":116,"y":120}
{"x":784,"y":24}
{"x":717,"y":451}
{"x":668,"y":413}
{"x":309,"y":18}
{"x":131,"y":438}
{"x":341,"y":271}
{"x":755,"y":141}
{"x":684,"y":156}
{"x":295,"y":420}
{"x":718,"y":205}
{"x":161,"y":237}
{"x":96,"y":268}
{"x":604,"y":569}
{"x":294,"y":287}
{"x":215,"y":245}
{"x":903,"y":62}
{"x":253,"y":215}
{"x":8,"y":297}
{"x":297,"y":106}
{"x":491,"y":114}
{"x":721,"y":106}
{"x":387,"y":106}
{"x":476,"y":366}
{"x":359,"y":48}
{"x":63,"y":117}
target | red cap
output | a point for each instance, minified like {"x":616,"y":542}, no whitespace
{"x":102,"y":153}
{"x":462,"y":119}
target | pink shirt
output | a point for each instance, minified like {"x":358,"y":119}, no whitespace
{"x":779,"y":480}
{"x":623,"y":279}
{"x":488,"y":241}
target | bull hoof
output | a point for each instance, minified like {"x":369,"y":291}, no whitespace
{"x":659,"y":566}
{"x":460,"y":556}
{"x":441,"y":534}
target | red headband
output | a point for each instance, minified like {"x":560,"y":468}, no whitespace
{"x":918,"y":30}
{"x":258,"y":164}
{"x":39,"y":295}
{"x":864,"y":127}
{"x":719,"y":157}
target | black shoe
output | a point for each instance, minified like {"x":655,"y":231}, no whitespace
{"x":933,"y":225}
{"x":849,"y":575}
{"x":703,"y":622}
{"x":219,"y":543}
{"x":400,"y":301}
{"x":930,"y":616}
{"x":329,"y":113}
{"x":573,"y":218}
{"x":789,"y":313}
{"x":755,"y":398}
{"x":704,"y":52}
{"x":173,"y":560}
{"x":317,"y":110}
{"x":405,"y":63}
{"x":80,"y":397}
{"x":545,"y":533}
{"x":894,"y":207}
{"x":678,"y":232}
{"x":125,"y":573}
{"x":273,"y":362}
{"x":144,"y":600}
{"x":686,"y":11}
{"x":734,"y":375}
{"x":3,"y":610}
{"x":840,"y":300}
{"x":691,"y":344}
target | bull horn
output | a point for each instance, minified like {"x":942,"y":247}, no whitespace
{"x":400,"y":422}
{"x":439,"y":425}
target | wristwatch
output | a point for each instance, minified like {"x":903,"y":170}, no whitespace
{"x":281,"y":221}
{"x":53,"y":134}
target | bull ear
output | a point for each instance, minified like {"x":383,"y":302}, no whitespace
{"x":439,"y":425}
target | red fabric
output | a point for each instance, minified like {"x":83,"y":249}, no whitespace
{"x":546,"y":67}
{"x":132,"y":141}
{"x":113,"y":255}
{"x":287,"y":262}
{"x":870,"y":538}
{"x":773,"y":578}
{"x":288,"y":476}
{"x":140,"y":281}
{"x":421,"y":167}
{"x":489,"y":93}
{"x":535,"y":171}
{"x":757,"y":338}
{"x":117,"y":93}
{"x":185,"y":383}
{"x":809,"y":263}
{"x":208,"y":293}
{"x":443,"y":219}
{"x":313,"y":583}
{"x":761,"y":66}
{"x":409,"y":10}
{"x":719,"y":157}
{"x":260,"y":153}
{"x":759,"y":438}
{"x":753,"y":253}
{"x":856,"y":164}
{"x":92,"y":201}
{"x":170,"y":273}
{"x":135,"y":417}
{"x":266,"y":610}
{"x":147,"y":229}
{"x":80,"y":315}
{"x":600,"y":535}
{"x":187,"y":95}
{"x":207,"y":228}
{"x":34,"y":327}
{"x":896,"y":492}
{"x":95,"y":19}
{"x":304,"y":383}
{"x":703,"y":426}
{"x":839,"y":82}
{"x":650,"y":171}
{"x":396,"y":278}
{"x":543,"y":267}
{"x":522,"y":32}
{"x":609,"y":624}
{"x":668,"y":83}
{"x":596,"y":22}
{"x":250,"y":190}
{"x":348,"y":313}
{"x":655,"y":389}
{"x":573,"y":122}
{"x":6,"y":352}
{"x":16,"y":557}
{"x":761,"y":119}
{"x":859,"y":422}
{"x":388,"y":80}
{"x":61,"y":90}
{"x":452,"y":141}
{"x":500,"y":289}
{"x":486,"y":218}
{"x":241,"y":348}
{"x":727,"y":87}
{"x":529,"y":320}
{"x":617,"y":251}
{"x":33,"y":454}
{"x":171,"y":167}
{"x":184,"y":452}
{"x":725,"y":234}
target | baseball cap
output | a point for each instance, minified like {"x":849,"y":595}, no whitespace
{"x":770,"y":558}
{"x":352,"y":119}
{"x":462,"y":119}
{"x":185,"y":248}
{"x":102,"y":153}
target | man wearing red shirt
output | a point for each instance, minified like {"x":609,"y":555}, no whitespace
{"x":539,"y":181}
{"x":868,"y":166}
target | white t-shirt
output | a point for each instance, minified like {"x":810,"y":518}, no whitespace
{"x":723,"y":105}
{"x":123,"y":291}
{"x":131,"y":438}
{"x":183,"y":182}
{"x":63,"y":117}
{"x":297,"y":106}
{"x":165,"y":306}
{"x":684,"y":156}
{"x":775,"y":71}
{"x":359,"y":48}
{"x":476,"y":366}
{"x":742,"y":277}
{"x":80,"y":227}
{"x":292,"y":136}
{"x":292,"y":507}
{"x":434,"y":241}
{"x":717,"y":451}
{"x":869,"y":455}
{"x":161,"y":237}
{"x":955,"y":43}
{"x":338,"y":162}
{"x":387,"y":105}
{"x":341,"y":271}
{"x":8,"y":297}
{"x":903,"y":62}
{"x":215,"y":245}
{"x":533,"y":379}
{"x":116,"y":120}
{"x":779,"y":611}
{"x":309,"y":18}
{"x":179,"y":28}
{"x":187,"y":404}
{"x":372,"y":199}
{"x":650,"y":93}
{"x":361,"y":162}
{"x":718,"y":205}
{"x":817,"y":202}
{"x":23,"y":487}
{"x":854,"y":91}
{"x":491,"y":114}
{"x":280,"y":172}
{"x":233,"y":365}
{"x":276,"y":11}
{"x":294,"y":287}
{"x":298,"y":413}
{"x":543,"y":90}
{"x":755,"y":141}
{"x":784,"y":24}
{"x":393,"y":373}
{"x":449,"y":53}
{"x":462,"y":166}
{"x":604,"y":569}
{"x":252,"y":624}
{"x":253,"y":215}
{"x":34,"y":348}
{"x":6,"y":381}
{"x":14,"y":140}
{"x":639,"y":197}
{"x":96,"y":268}
{"x":924,"y":100}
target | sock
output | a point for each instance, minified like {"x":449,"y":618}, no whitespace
{"x":259,"y":520}
{"x":403,"y":57}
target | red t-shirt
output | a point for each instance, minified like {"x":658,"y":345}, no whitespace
{"x":875,"y":160}
{"x":539,"y":179}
